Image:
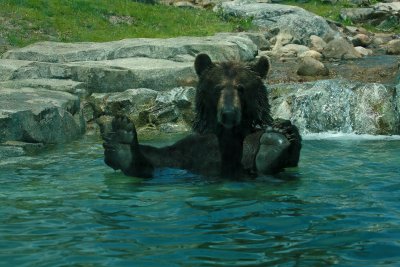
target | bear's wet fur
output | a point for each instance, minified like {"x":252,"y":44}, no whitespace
{"x":231,"y":102}
{"x":234,"y":134}
{"x":245,"y":78}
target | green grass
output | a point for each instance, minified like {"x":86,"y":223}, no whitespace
{"x":324,"y":10}
{"x":26,"y":21}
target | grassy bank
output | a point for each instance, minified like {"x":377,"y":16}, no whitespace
{"x":26,"y":21}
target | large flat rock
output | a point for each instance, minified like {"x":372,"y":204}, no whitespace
{"x":104,"y":76}
{"x":120,"y":74}
{"x":69,"y":86}
{"x":36,"y":115}
{"x":158,"y":64}
{"x":8,"y":67}
{"x":220,"y":47}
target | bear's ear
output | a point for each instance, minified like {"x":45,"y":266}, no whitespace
{"x":262,"y":67}
{"x":201,"y":63}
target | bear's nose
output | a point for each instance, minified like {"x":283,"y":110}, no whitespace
{"x":229,"y":118}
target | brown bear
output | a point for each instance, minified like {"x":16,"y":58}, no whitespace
{"x":234,"y":134}
{"x":231,"y":102}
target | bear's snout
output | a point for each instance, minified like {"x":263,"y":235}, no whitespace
{"x":229,"y":117}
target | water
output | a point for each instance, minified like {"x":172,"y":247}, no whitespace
{"x":341,"y":207}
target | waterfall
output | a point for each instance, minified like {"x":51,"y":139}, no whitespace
{"x":340,"y":106}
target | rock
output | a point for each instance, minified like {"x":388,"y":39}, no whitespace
{"x":36,"y":115}
{"x":393,"y":47}
{"x":371,"y":69}
{"x":391,"y":8}
{"x":145,"y":106}
{"x":17,"y":149}
{"x":258,"y":39}
{"x":361,"y":39}
{"x":317,"y":43}
{"x":338,"y":106}
{"x":339,"y":48}
{"x":120,"y":74}
{"x":219,"y":47}
{"x":184,"y":4}
{"x":8,"y":68}
{"x":381,"y":38}
{"x":69,"y":86}
{"x":290,"y":50}
{"x":117,"y":20}
{"x":311,"y":67}
{"x":183,"y":97}
{"x":356,"y":14}
{"x":131,"y":102}
{"x":282,"y":39}
{"x":382,"y":15}
{"x":363,"y":51}
{"x":163,"y":114}
{"x":311,"y":53}
{"x":295,"y":21}
{"x":159,"y":64}
{"x":3,"y":41}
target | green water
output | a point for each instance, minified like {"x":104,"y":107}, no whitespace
{"x":340,"y":207}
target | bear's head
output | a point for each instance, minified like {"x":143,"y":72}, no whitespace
{"x":231,"y":95}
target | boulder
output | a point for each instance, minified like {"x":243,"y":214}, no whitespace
{"x":295,"y":21}
{"x":317,"y":43}
{"x":36,"y":115}
{"x":338,"y":106}
{"x":363,"y":51}
{"x":311,"y":67}
{"x":382,"y":15}
{"x":148,"y":107}
{"x":393,"y":47}
{"x":356,"y":14}
{"x":131,"y":102}
{"x":290,"y":50}
{"x":361,"y":39}
{"x":339,"y":48}
{"x":120,"y":74}
{"x":311,"y":53}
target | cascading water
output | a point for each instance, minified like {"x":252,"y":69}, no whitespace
{"x":338,"y":106}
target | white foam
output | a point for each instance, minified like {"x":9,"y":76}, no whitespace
{"x":348,"y":136}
